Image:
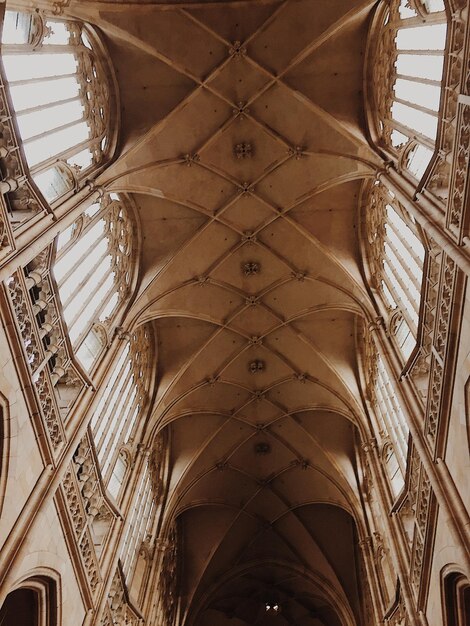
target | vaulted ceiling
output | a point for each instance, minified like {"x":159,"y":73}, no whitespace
{"x":244,"y":149}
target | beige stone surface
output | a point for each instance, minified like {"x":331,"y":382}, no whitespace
{"x":244,"y":152}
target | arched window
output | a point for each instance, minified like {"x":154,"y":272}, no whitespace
{"x":34,"y":603}
{"x":93,"y":272}
{"x":20,"y":607}
{"x":140,"y":521}
{"x":390,"y":426}
{"x":140,"y":531}
{"x":456,"y":600}
{"x":118,"y":475}
{"x":60,"y":93}
{"x":396,"y":257}
{"x":122,"y":405}
{"x":407,"y":77}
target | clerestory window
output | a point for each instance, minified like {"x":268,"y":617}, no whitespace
{"x":140,"y":522}
{"x":93,"y":270}
{"x":407,"y":80}
{"x":396,"y":258}
{"x":119,"y":411}
{"x":390,"y":425}
{"x":60,"y":92}
{"x":143,"y":513}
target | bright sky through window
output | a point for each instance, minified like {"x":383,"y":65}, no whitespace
{"x":410,"y":63}
{"x":91,"y":274}
{"x":59,"y":98}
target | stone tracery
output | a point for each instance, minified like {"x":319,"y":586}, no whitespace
{"x":66,"y":134}
{"x":407,"y":79}
{"x":396,"y":257}
{"x":96,"y":255}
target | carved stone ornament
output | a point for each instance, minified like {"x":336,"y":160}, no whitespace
{"x":241,"y":110}
{"x":146,"y":548}
{"x":34,"y":311}
{"x":395,"y":322}
{"x":246,"y":188}
{"x":156,"y":466}
{"x":249,"y":237}
{"x":299,"y":276}
{"x":296,"y":152}
{"x":189,"y":159}
{"x":118,"y":611}
{"x":167,"y":599}
{"x":237,"y":50}
{"x":251,"y":268}
{"x":256,"y":366}
{"x":440,"y":344}
{"x":243,"y":150}
{"x":79,"y":517}
{"x":262,"y":448}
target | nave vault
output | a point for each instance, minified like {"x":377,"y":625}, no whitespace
{"x":245,"y":150}
{"x":269,"y":430}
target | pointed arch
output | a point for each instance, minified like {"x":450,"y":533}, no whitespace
{"x":63,"y":95}
{"x":4,"y":447}
{"x":34,"y":601}
{"x":95,"y":268}
{"x":455,"y":588}
{"x":406,"y":76}
{"x":389,"y":423}
{"x":396,"y":252}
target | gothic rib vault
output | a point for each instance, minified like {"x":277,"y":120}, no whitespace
{"x":245,"y":152}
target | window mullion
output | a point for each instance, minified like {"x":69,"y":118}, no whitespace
{"x":84,"y":280}
{"x":52,"y":131}
{"x":40,"y":79}
{"x":409,"y":132}
{"x":409,"y":247}
{"x":130,"y":428}
{"x":424,"y":53}
{"x":403,"y":285}
{"x":66,"y":154}
{"x":79,"y":261}
{"x":400,"y":436}
{"x":120,"y":367}
{"x":116,"y":438}
{"x":100,"y":433}
{"x":143,"y":523}
{"x":48,"y":105}
{"x":21,"y":49}
{"x":90,"y":222}
{"x":86,"y":330}
{"x":418,"y":107}
{"x":416,"y":79}
{"x":390,"y":415}
{"x":88,"y":298}
{"x":404,"y":265}
{"x":392,"y":267}
{"x":133,"y":517}
{"x":400,"y":304}
{"x":112,"y":435}
{"x":388,"y":394}
{"x":107,"y":297}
